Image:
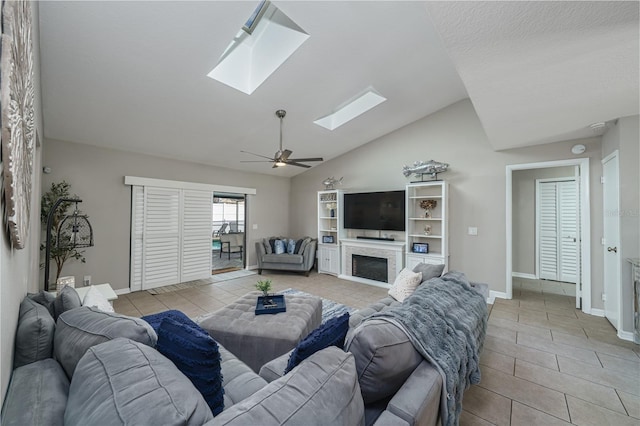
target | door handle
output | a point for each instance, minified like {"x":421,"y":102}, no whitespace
{"x":613,"y":249}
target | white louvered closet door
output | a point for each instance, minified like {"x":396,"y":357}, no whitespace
{"x":569,"y":220}
{"x":161,"y":240}
{"x":547,"y":231}
{"x":196,"y":235}
{"x":558,"y":228}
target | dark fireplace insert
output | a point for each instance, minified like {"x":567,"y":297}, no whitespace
{"x":372,"y":268}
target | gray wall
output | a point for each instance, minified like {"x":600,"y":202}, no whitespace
{"x":477,"y":178}
{"x":97,"y":176}
{"x":624,"y":137}
{"x":524,"y":214}
{"x":19,"y":268}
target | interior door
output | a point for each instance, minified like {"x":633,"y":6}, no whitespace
{"x":569,"y":231}
{"x":611,"y":240}
{"x":558,"y":230}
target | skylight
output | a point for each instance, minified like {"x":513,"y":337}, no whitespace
{"x":265,"y":42}
{"x":351,"y":110}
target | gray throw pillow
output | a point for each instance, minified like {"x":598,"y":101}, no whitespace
{"x":66,"y":300}
{"x":385,"y":358}
{"x":428,"y":270}
{"x":79,"y":329}
{"x":46,"y":299}
{"x":34,"y":336}
{"x":128,"y":383}
{"x":267,"y":246}
{"x":305,"y":242}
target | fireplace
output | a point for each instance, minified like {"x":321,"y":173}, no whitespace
{"x":372,"y":268}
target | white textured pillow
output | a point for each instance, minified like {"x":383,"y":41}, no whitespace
{"x":405,"y":284}
{"x":96,"y":299}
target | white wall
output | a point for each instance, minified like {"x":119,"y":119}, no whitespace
{"x":97,"y":175}
{"x":477,"y":178}
{"x":19,"y":268}
{"x":524,"y":214}
{"x":624,"y":136}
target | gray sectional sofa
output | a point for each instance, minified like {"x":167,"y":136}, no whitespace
{"x":104,"y":370}
{"x":94,"y":367}
{"x":398,"y":386}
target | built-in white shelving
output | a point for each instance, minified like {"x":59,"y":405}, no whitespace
{"x":427,"y":236}
{"x":330,"y":231}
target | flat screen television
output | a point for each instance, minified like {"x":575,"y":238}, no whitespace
{"x":382,"y":211}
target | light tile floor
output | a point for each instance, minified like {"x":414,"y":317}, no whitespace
{"x":543,"y":363}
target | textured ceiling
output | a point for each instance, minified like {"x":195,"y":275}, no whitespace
{"x":132,"y":75}
{"x":540,"y":72}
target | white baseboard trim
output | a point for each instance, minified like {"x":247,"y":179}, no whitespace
{"x":121,"y":291}
{"x":252,"y":267}
{"x":597,"y":312}
{"x":493,"y":294}
{"x":524,"y":275}
{"x":625,"y":335}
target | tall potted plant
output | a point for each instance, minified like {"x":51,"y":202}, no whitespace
{"x":60,"y":255}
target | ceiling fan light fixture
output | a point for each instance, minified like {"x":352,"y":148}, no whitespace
{"x":280,"y":163}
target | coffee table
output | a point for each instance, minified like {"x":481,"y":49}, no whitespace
{"x":257,"y":339}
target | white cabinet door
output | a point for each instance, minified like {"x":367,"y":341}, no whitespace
{"x":328,"y":260}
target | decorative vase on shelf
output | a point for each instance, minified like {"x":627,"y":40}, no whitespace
{"x":332,"y":213}
{"x":427,"y":230}
{"x":428,"y":205}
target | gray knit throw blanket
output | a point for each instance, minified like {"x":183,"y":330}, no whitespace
{"x":446,"y":320}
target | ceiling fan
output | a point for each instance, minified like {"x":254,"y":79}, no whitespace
{"x":281,"y":157}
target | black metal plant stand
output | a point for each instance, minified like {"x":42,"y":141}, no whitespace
{"x":74,"y":242}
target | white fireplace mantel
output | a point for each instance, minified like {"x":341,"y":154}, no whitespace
{"x":391,"y":250}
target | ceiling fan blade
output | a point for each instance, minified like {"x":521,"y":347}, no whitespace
{"x":293,"y":163}
{"x":307,"y":159}
{"x":258,"y":155}
{"x":256,"y":161}
{"x":285,"y":154}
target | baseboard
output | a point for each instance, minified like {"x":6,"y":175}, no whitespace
{"x":597,"y":312}
{"x":524,"y":275}
{"x":493,"y":294}
{"x":121,"y":291}
{"x":625,"y":335}
{"x":252,"y":267}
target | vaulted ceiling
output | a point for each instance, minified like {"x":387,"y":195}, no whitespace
{"x":132,"y":75}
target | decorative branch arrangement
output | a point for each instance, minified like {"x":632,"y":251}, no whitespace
{"x":428,"y":205}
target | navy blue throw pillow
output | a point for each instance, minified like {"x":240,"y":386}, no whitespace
{"x":155,"y":320}
{"x":298,"y":245}
{"x":196,"y":355}
{"x":331,"y":333}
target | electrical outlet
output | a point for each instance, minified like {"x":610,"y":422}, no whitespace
{"x":86,"y":281}
{"x":604,"y":297}
{"x":255,"y":226}
{"x":473,"y":230}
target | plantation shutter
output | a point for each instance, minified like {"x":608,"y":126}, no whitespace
{"x":137,"y":227}
{"x":170,"y":236}
{"x":548,"y":230}
{"x":161,"y":241}
{"x":196,"y":235}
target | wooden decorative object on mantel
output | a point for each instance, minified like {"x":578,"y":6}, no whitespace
{"x":18,"y":117}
